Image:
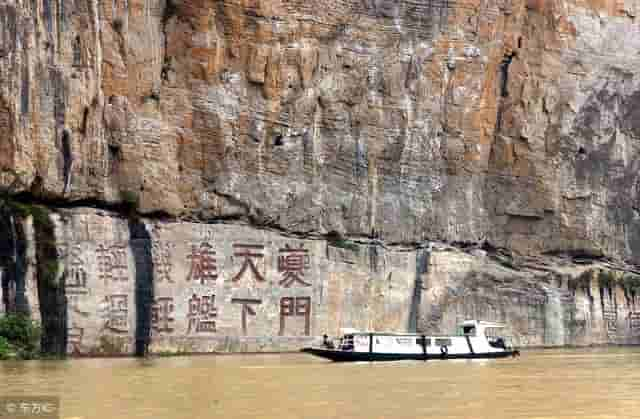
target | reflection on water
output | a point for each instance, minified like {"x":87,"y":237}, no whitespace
{"x":598,"y":383}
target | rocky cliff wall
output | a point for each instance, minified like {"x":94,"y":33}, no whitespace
{"x":185,"y":287}
{"x":508,"y":121}
{"x":133,"y":285}
{"x":505,"y":124}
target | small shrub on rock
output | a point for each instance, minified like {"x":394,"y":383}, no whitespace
{"x":20,"y":335}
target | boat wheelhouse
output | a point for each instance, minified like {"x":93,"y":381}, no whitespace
{"x":475,"y":339}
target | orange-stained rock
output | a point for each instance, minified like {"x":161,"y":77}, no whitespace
{"x":7,"y":138}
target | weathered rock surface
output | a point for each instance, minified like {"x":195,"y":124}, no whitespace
{"x":217,"y":287}
{"x":511,"y":123}
{"x":178,"y":287}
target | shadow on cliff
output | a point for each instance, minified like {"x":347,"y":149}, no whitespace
{"x":144,"y":292}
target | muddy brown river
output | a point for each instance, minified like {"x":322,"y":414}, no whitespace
{"x":586,"y":383}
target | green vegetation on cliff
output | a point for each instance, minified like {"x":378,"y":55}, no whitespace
{"x":19,"y":337}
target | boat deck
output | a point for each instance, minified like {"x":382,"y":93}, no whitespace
{"x":350,"y":356}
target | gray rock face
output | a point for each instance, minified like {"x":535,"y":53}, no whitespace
{"x":550,"y":304}
{"x":220,"y":287}
{"x":168,"y":287}
{"x":512,"y":125}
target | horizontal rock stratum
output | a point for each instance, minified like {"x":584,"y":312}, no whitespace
{"x":449,"y":132}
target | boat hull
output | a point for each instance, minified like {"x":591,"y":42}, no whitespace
{"x":349,"y":356}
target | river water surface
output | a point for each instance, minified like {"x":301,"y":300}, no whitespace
{"x":596,"y":383}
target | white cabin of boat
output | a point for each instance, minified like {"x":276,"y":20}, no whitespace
{"x":474,"y":337}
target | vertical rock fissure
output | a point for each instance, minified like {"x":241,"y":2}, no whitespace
{"x":51,"y":289}
{"x":170,"y":10}
{"x":422,"y":268}
{"x":85,"y":121}
{"x":13,"y":251}
{"x":67,"y":158}
{"x":144,"y":293}
{"x":60,"y":98}
{"x":373,"y":258}
{"x":504,"y":74}
{"x":61,"y":21}
{"x":24,"y":90}
{"x":47,"y":14}
{"x":20,"y":266}
{"x":504,"y":89}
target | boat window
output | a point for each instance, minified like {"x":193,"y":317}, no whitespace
{"x":443,"y":342}
{"x":497,"y":342}
{"x":427,"y":342}
{"x":346,"y":343}
{"x":469,"y":330}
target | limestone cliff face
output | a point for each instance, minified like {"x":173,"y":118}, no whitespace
{"x":133,"y":285}
{"x":507,"y":125}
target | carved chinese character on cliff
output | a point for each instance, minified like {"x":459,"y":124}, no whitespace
{"x":118,"y":313}
{"x":76,"y":281}
{"x":247,"y":310}
{"x":161,"y":315}
{"x":249,"y":253}
{"x":161,"y":254}
{"x":206,"y":232}
{"x":292,"y":263}
{"x":74,"y":304}
{"x":610,"y":316}
{"x":76,"y":276}
{"x":203,"y":263}
{"x":74,"y":339}
{"x":634,"y":323}
{"x":295,"y":307}
{"x":202,"y":314}
{"x":112,"y":263}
